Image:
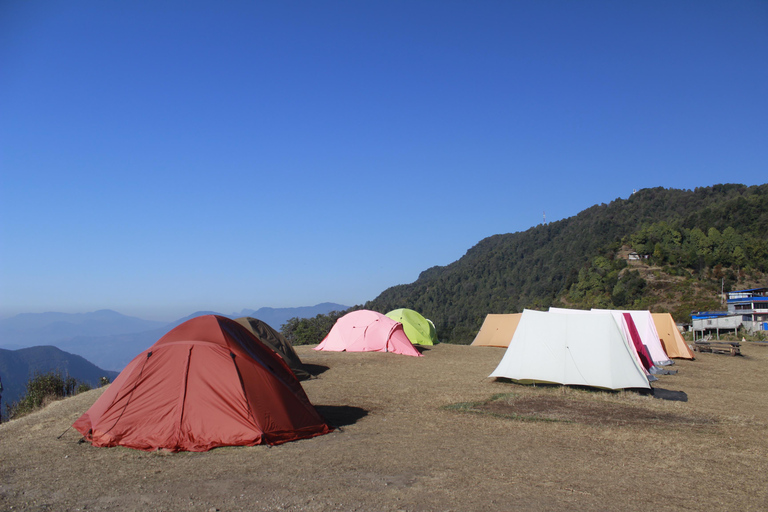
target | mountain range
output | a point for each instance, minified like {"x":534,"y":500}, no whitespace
{"x":110,"y":340}
{"x":30,"y":329}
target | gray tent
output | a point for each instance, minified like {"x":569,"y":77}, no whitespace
{"x":277,"y":342}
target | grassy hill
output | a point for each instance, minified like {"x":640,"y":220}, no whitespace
{"x":696,"y":241}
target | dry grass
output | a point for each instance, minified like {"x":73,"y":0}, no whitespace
{"x":399,"y":448}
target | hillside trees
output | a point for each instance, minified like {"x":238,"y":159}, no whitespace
{"x":603,"y":284}
{"x":692,"y":248}
{"x":717,"y":233}
{"x":678,"y":229}
{"x":713,"y":255}
{"x":309,"y":331}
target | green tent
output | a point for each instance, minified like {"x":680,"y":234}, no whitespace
{"x":418,"y":329}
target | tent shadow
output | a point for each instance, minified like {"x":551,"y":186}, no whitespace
{"x":551,"y":385}
{"x":315,"y":369}
{"x":592,"y":389}
{"x":341,"y":415}
{"x":666,"y":394}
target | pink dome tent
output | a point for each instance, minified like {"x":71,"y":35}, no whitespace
{"x":368,"y":331}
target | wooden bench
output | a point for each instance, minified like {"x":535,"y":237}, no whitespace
{"x":718,"y":347}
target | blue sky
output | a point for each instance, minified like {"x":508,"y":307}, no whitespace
{"x":163,"y":157}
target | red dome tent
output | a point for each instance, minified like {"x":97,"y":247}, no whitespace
{"x":206,"y":383}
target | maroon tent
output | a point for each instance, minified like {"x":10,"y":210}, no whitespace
{"x":637,"y":341}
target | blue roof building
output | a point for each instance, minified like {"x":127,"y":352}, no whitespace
{"x":752,"y":305}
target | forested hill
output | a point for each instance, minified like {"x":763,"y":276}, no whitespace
{"x":690,"y":235}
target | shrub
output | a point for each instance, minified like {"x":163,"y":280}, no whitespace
{"x":41,"y":389}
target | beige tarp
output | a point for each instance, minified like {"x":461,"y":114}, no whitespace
{"x":497,"y":330}
{"x":674,"y":344}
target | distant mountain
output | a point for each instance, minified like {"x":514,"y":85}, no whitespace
{"x":710,"y":234}
{"x":117,"y":350}
{"x":31,"y":329}
{"x":180,"y":321}
{"x":114,"y":351}
{"x":276,"y":317}
{"x":17,"y":366}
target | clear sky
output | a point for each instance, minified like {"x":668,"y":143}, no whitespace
{"x":162,"y":157}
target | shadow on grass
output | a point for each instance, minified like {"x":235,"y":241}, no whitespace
{"x":666,"y":394}
{"x":588,"y":389}
{"x":660,"y":393}
{"x":315,"y":369}
{"x":341,"y":415}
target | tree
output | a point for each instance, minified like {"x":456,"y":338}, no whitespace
{"x":739,"y":257}
{"x":309,"y":331}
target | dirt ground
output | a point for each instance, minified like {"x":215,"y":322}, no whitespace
{"x":497,"y":446}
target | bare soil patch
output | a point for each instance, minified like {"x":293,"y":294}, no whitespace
{"x":548,"y":407}
{"x":399,"y":448}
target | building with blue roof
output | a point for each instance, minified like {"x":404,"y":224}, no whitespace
{"x":752,"y":305}
{"x":746,"y":308}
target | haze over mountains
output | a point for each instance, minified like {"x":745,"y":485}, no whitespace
{"x":30,"y":329}
{"x":110,"y":340}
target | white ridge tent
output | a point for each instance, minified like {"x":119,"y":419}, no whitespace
{"x":618,"y":316}
{"x":581,"y":348}
{"x":648,"y":334}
